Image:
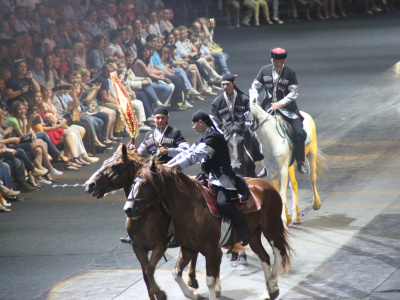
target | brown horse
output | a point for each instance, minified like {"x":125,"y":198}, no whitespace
{"x":148,"y":233}
{"x":172,"y":193}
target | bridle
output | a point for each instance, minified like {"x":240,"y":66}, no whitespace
{"x":269,"y":113}
{"x":116,"y":173}
{"x":140,"y":204}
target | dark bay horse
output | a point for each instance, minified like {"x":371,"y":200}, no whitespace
{"x":235,"y":136}
{"x":148,"y":233}
{"x":170,"y":191}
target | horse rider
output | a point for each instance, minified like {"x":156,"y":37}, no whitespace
{"x":282,"y":90}
{"x":164,"y":141}
{"x":233,"y":106}
{"x":211,"y":149}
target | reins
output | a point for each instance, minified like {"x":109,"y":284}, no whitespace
{"x":273,"y":114}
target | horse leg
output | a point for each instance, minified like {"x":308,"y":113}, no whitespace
{"x":185,"y":255}
{"x":242,"y":264}
{"x":313,"y":159}
{"x":213,"y":263}
{"x":294,"y":189}
{"x":275,"y":232}
{"x":239,"y":257}
{"x":286,"y":218}
{"x":234,"y":258}
{"x":192,"y":282}
{"x":258,"y":248}
{"x":150,"y":269}
{"x":142,"y":256}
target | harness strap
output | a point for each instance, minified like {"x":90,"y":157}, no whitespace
{"x":259,"y":125}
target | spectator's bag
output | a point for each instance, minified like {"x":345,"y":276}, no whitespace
{"x":67,"y":116}
{"x":28,"y":139}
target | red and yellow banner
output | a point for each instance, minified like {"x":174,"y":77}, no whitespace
{"x":125,"y":107}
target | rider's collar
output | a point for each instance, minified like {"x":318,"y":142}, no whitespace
{"x":162,"y":129}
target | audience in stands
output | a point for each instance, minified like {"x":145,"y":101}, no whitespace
{"x":57,"y":101}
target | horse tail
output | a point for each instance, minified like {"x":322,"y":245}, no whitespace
{"x":273,"y":227}
{"x":321,"y":163}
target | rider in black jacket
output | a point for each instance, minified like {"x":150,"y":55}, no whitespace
{"x":211,"y":149}
{"x":282,"y":90}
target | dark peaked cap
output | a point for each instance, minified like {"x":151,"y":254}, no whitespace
{"x":161,"y":110}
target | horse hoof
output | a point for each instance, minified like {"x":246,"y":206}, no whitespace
{"x":296,"y":220}
{"x":242,"y":267}
{"x":274,"y":295}
{"x":316,"y":206}
{"x":234,"y":259}
{"x":193,"y":283}
{"x":161,"y":295}
{"x":288,"y":220}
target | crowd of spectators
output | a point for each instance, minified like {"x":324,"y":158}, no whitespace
{"x":57,"y":103}
{"x":243,"y":11}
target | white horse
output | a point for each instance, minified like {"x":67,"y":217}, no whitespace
{"x":277,"y":151}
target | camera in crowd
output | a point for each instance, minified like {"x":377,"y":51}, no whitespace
{"x":61,"y":88}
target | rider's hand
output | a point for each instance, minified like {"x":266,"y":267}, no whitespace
{"x":163,"y":150}
{"x":275,"y":106}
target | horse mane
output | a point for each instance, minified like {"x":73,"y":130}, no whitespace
{"x":234,"y":127}
{"x":181,"y":182}
{"x":134,"y":156}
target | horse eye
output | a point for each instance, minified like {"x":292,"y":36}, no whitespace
{"x":144,"y":184}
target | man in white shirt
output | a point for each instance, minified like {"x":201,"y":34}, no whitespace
{"x":37,"y":70}
{"x":185,"y":51}
{"x":154,"y":27}
{"x":165,"y":23}
{"x":115,"y":40}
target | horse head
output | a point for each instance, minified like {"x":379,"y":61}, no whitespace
{"x":116,"y":173}
{"x":157,"y":186}
{"x":234,"y":136}
{"x":144,"y":192}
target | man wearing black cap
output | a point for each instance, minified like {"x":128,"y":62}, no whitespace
{"x":233,"y":106}
{"x":210,"y":150}
{"x":164,"y":140}
{"x":282,"y":90}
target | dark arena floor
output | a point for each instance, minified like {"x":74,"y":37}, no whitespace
{"x":60,"y":243}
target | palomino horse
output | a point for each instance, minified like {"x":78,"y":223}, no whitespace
{"x":118,"y":172}
{"x":277,"y":151}
{"x":171,"y":192}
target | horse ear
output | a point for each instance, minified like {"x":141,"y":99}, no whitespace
{"x":153,"y":165}
{"x":123,"y":149}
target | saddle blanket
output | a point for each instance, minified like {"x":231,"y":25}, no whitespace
{"x":251,"y":205}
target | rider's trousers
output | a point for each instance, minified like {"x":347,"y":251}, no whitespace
{"x":228,"y":208}
{"x":299,"y":137}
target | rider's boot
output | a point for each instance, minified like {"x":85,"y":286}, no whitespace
{"x":263,"y":173}
{"x":173,"y":243}
{"x":237,"y":217}
{"x":300,"y":157}
{"x":126,"y":240}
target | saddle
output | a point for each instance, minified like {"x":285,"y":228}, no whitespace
{"x":288,"y":132}
{"x":210,"y":196}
